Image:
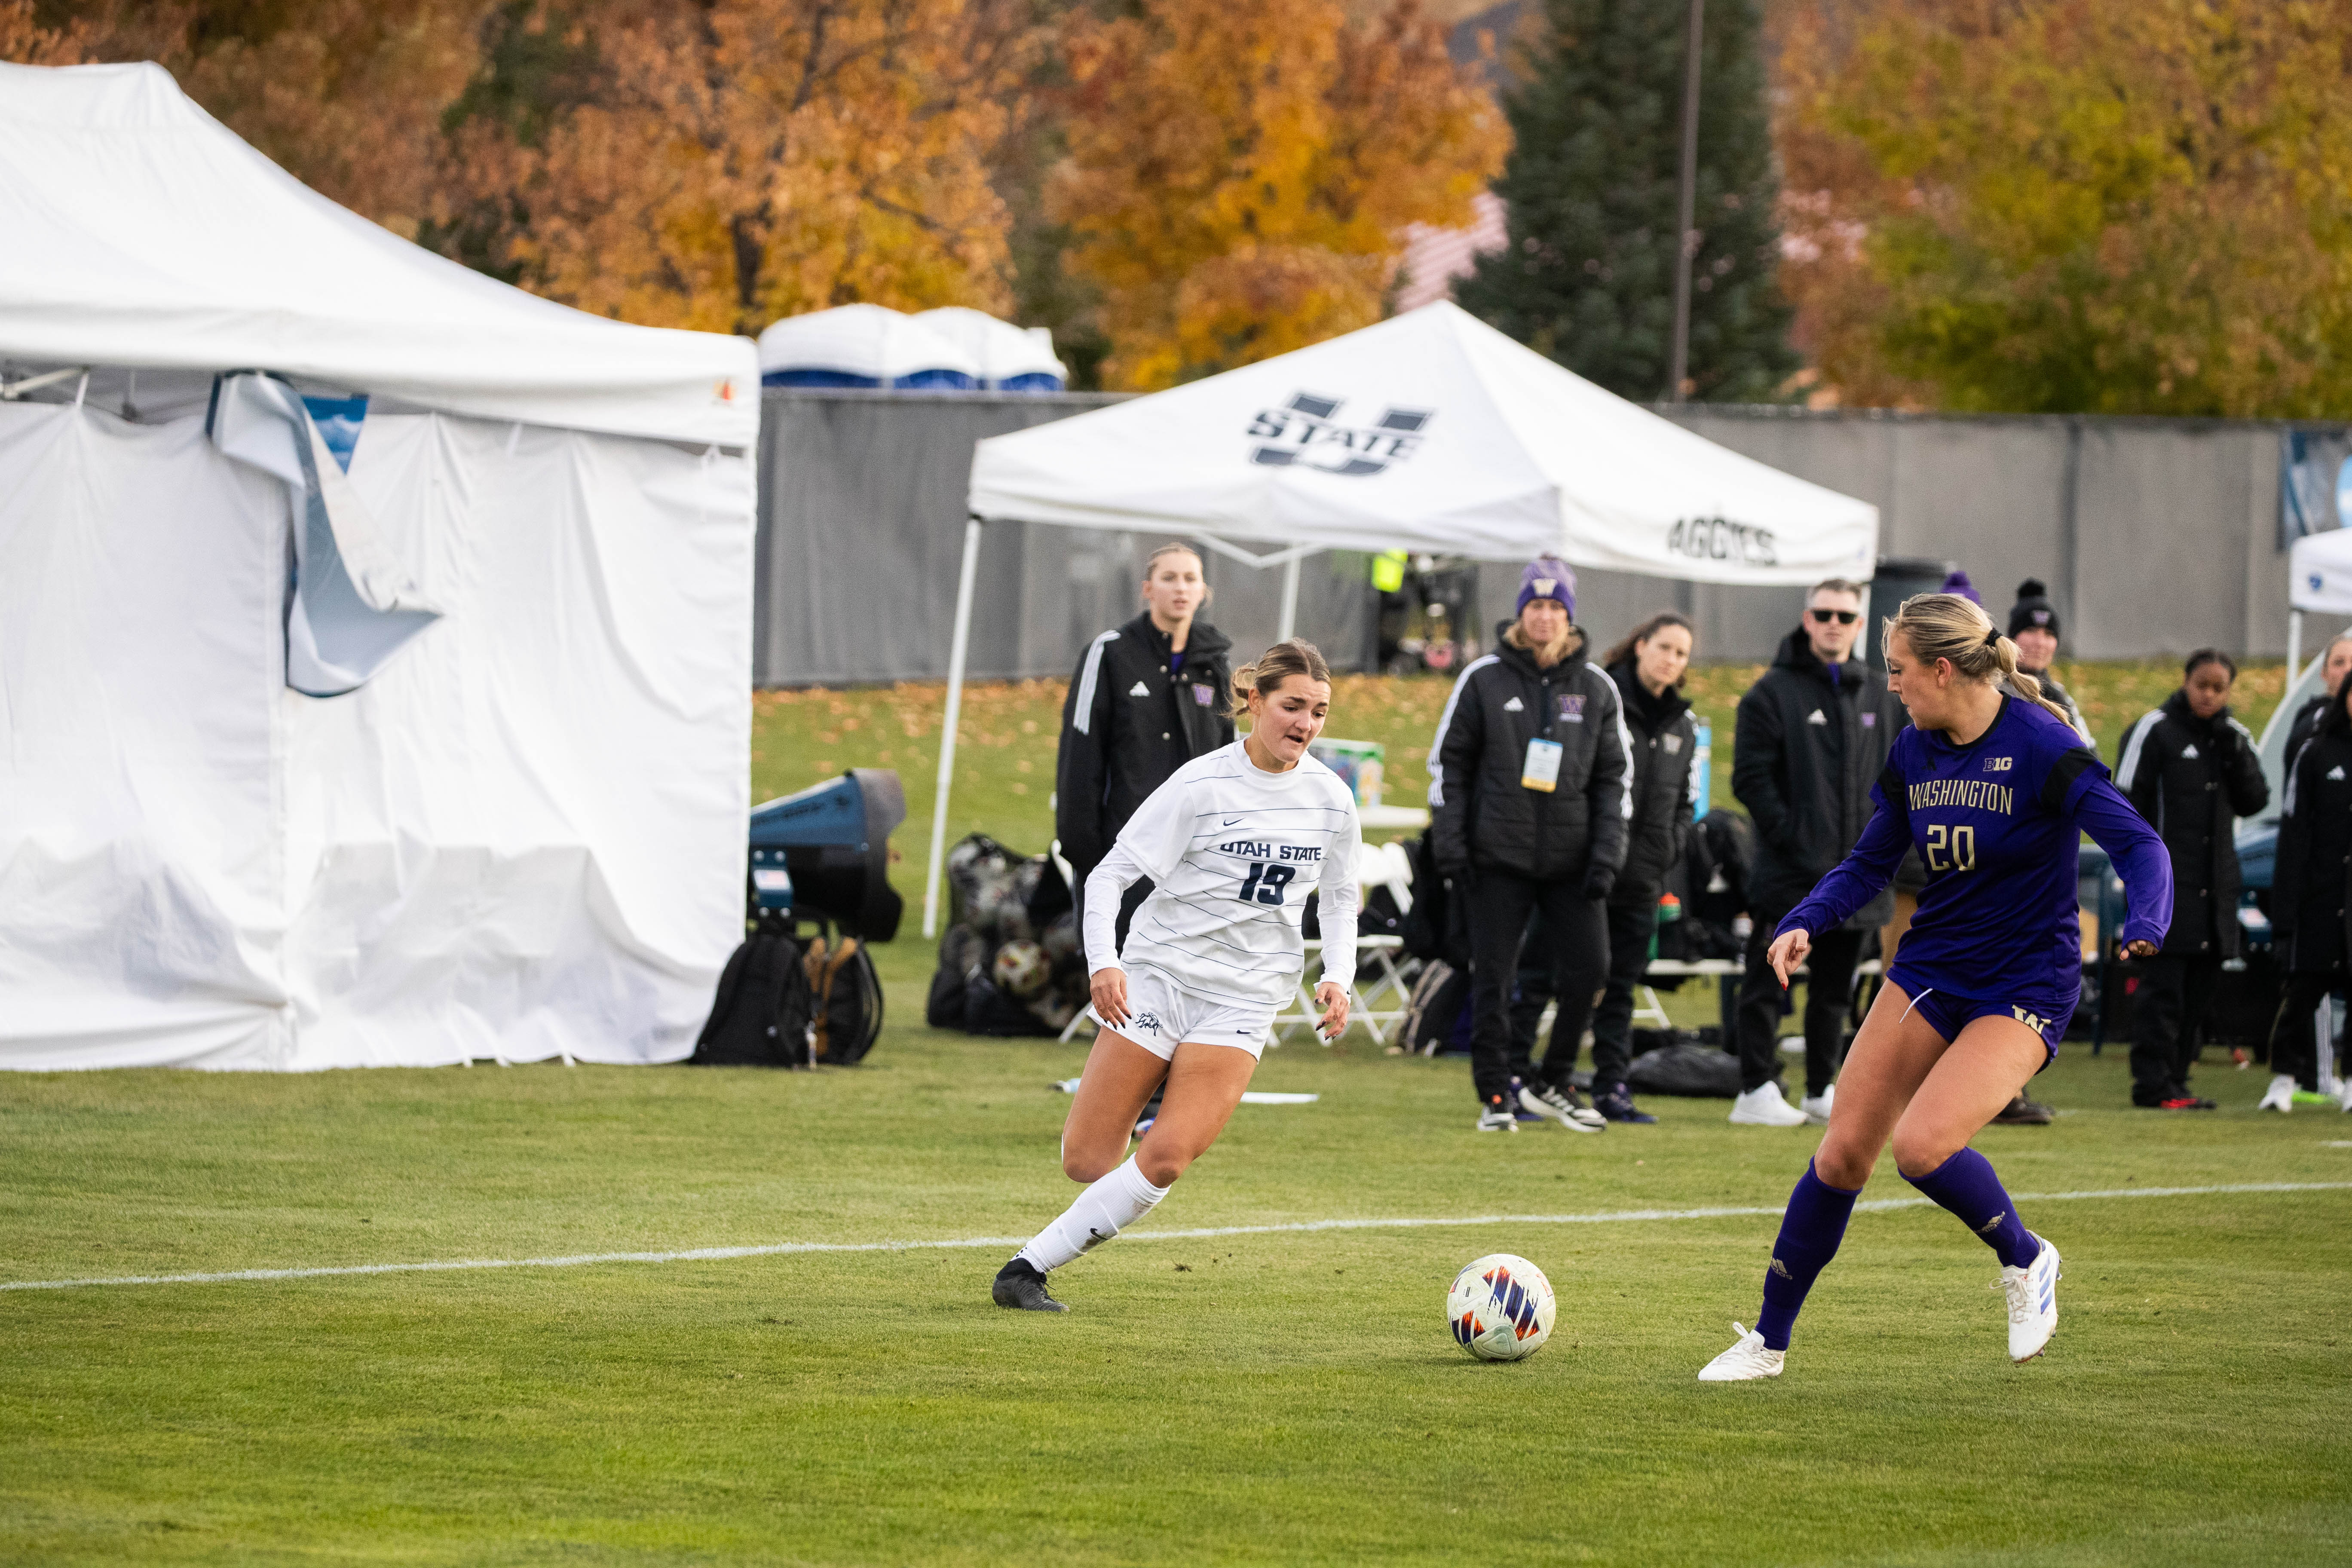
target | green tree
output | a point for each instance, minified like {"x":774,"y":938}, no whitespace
{"x":1588,"y":279}
{"x":2112,"y":206}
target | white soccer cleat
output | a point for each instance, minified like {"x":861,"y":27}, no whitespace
{"x":1744,"y":1362}
{"x":2033,"y":1293}
{"x":2280,"y":1096}
{"x":1816,"y":1107}
{"x":1763,"y":1107}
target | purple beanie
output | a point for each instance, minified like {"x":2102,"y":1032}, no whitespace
{"x":1958,"y":583}
{"x":1547,"y":577}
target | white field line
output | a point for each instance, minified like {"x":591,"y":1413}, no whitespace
{"x":787,"y":1248}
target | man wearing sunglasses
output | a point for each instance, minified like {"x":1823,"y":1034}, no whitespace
{"x":1812,"y":738}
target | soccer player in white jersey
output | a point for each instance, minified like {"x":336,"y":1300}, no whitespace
{"x":1233,"y":842}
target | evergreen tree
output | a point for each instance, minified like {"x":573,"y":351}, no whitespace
{"x":1589,"y":276}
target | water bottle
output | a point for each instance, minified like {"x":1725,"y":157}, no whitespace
{"x":1702,"y":770}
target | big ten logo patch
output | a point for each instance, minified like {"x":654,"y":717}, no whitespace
{"x":1999,"y":764}
{"x":1306,"y":432}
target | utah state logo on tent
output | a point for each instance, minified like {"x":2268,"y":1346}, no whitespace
{"x":1306,"y":431}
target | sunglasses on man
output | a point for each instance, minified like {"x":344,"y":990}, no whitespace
{"x":1843,"y":617}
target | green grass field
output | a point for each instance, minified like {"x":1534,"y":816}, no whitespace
{"x":1258,"y":1397}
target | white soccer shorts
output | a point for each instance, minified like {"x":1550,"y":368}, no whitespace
{"x":1159,"y":1016}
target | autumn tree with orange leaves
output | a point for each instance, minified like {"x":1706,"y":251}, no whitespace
{"x":731,"y":162}
{"x":1240,"y":172}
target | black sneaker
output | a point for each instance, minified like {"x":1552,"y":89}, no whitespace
{"x":1019,"y":1286}
{"x":2023,"y":1112}
{"x":1615,"y":1102}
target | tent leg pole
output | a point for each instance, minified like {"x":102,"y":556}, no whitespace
{"x":2294,"y":648}
{"x":1290,"y":622}
{"x":947,"y":728}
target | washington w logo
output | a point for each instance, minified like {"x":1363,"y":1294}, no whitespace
{"x":1304,"y":432}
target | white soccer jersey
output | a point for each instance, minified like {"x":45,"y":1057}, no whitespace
{"x":1233,"y":851}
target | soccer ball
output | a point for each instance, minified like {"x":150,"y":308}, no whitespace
{"x":1501,"y":1307}
{"x":1022,"y":968}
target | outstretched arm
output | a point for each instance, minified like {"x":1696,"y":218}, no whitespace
{"x":1858,"y":878}
{"x":2116,"y":827}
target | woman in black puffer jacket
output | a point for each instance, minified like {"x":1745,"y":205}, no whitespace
{"x":1529,"y":794}
{"x":2191,"y":769}
{"x":2309,"y":896}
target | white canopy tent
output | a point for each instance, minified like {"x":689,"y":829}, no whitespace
{"x":520,"y":831}
{"x":1429,"y":432}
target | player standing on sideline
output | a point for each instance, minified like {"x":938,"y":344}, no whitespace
{"x":2189,"y":767}
{"x":1531,"y":790}
{"x":1993,"y":788}
{"x":2333,"y":668}
{"x":1812,"y":733}
{"x":2033,"y":627}
{"x":1233,"y":842}
{"x":2308,"y":899}
{"x":1147,"y":698}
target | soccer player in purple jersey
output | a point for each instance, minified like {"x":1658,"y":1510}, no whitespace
{"x":1993,"y":787}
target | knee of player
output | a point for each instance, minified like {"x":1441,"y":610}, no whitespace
{"x":1087,"y":1168}
{"x":1921,"y":1151}
{"x":1160,"y":1167}
{"x":1845,"y":1169}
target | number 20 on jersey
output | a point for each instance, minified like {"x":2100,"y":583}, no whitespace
{"x":1953,"y":850}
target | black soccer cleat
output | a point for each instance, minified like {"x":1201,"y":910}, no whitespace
{"x":1021,"y":1286}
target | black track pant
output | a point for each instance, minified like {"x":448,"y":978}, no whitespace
{"x":1829,"y":991}
{"x":2294,"y":1033}
{"x":1500,"y":903}
{"x":1631,"y":927}
{"x":2167,"y":1010}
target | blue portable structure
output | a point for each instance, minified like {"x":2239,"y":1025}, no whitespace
{"x":824,"y":853}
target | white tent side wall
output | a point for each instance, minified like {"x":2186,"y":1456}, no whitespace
{"x":524,"y":837}
{"x":142,"y":662}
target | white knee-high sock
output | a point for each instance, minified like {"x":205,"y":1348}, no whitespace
{"x":1102,"y":1211}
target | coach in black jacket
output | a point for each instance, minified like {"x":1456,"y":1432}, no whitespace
{"x":1529,"y":794}
{"x":1147,"y":698}
{"x":1812,"y":737}
{"x":2191,"y":769}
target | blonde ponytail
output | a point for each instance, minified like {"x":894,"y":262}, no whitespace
{"x":1947,"y":627}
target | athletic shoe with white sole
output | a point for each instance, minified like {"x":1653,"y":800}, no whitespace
{"x":1021,"y":1286}
{"x":1546,"y":1101}
{"x":1816,"y":1107}
{"x":1763,"y":1107}
{"x":2033,"y":1293}
{"x":1498,"y":1117}
{"x":1744,"y":1362}
{"x":2280,"y":1096}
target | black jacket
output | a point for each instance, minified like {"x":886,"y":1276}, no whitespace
{"x":1665,"y":738}
{"x":1806,"y":750}
{"x":1482,"y":814}
{"x":2190,"y":777}
{"x":2061,"y":696}
{"x":2306,"y":719}
{"x":2311,"y":888}
{"x":1128,"y":724}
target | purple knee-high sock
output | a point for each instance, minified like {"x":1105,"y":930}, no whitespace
{"x":1810,"y":1229}
{"x":1966,"y":1186}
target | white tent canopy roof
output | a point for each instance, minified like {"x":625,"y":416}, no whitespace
{"x":861,"y":340}
{"x":142,"y":232}
{"x":1430,"y":431}
{"x":1002,"y":349}
{"x":2321,"y":572}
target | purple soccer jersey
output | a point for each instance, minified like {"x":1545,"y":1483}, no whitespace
{"x":1996,"y":823}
